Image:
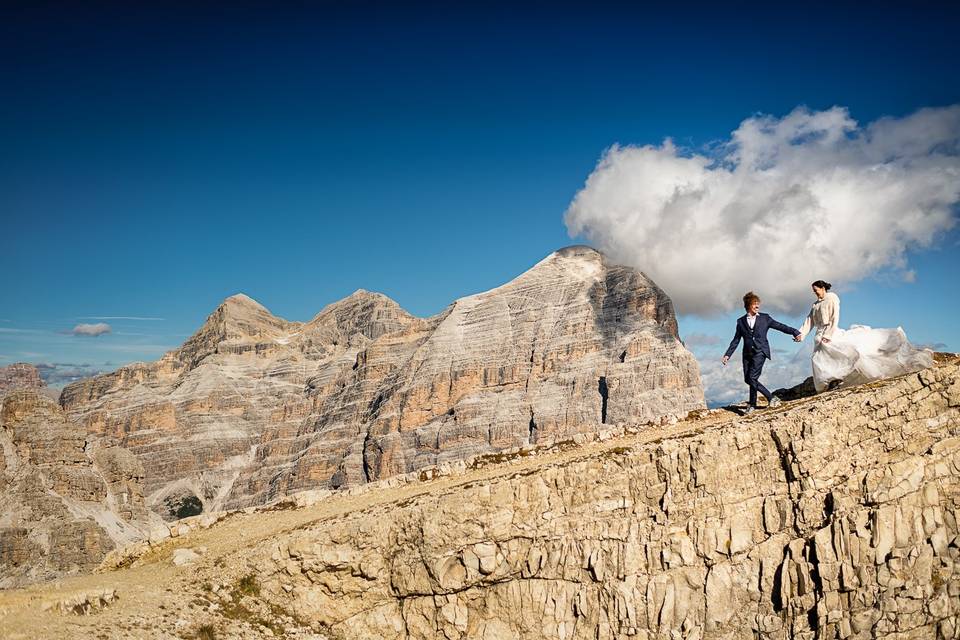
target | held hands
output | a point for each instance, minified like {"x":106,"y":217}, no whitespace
{"x":797,"y":338}
{"x":724,"y":360}
{"x":827,"y":340}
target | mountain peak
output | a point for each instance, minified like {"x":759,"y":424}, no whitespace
{"x":242,"y":299}
{"x":578,"y":251}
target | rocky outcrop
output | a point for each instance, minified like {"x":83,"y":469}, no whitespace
{"x":836,"y":517}
{"x":833,"y":516}
{"x":19,"y":375}
{"x":253,"y":407}
{"x":64,"y":501}
{"x":22,"y":375}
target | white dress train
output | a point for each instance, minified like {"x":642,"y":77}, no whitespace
{"x":862,"y":354}
{"x":859,"y":354}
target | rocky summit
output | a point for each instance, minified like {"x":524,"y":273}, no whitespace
{"x":829,"y":517}
{"x":253,"y":407}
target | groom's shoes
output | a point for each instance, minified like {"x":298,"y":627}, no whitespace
{"x":775,"y":402}
{"x":749,"y":410}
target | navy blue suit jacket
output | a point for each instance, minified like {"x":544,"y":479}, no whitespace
{"x":756,"y":339}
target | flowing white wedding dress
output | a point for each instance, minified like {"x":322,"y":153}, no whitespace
{"x":859,"y":354}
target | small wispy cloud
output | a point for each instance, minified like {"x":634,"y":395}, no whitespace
{"x":10,"y":330}
{"x":139,"y":348}
{"x":119,"y":318}
{"x":91,"y":330}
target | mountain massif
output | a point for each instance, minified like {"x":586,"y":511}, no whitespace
{"x":253,"y":407}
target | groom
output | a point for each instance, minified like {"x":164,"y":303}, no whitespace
{"x":753,"y":327}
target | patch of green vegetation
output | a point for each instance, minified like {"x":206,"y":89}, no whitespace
{"x":206,"y":632}
{"x":248,"y":585}
{"x":236,"y":610}
{"x":618,"y":451}
{"x":283,"y":505}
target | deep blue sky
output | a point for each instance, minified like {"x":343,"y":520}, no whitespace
{"x":155,"y":160}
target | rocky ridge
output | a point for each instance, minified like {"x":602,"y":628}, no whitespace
{"x":833,"y":516}
{"x":65,"y":500}
{"x":253,"y":407}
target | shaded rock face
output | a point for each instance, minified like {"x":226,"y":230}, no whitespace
{"x":833,"y":519}
{"x":253,"y":406}
{"x":64,"y":501}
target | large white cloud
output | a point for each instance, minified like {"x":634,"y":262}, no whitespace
{"x":784,"y":202}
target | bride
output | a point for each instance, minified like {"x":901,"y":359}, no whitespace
{"x":859,"y":354}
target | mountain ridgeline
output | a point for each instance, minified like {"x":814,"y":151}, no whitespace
{"x":253,"y":407}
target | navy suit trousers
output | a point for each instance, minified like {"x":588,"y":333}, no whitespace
{"x":752,"y":368}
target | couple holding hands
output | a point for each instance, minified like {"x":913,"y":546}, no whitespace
{"x":857,"y":355}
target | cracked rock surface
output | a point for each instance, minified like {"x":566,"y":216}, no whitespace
{"x":834,"y":518}
{"x":831,"y":517}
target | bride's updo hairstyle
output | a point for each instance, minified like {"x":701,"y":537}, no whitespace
{"x":820,"y":284}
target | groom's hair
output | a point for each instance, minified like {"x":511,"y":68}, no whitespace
{"x":749,"y":298}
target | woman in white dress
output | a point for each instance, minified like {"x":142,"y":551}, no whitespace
{"x":859,"y":354}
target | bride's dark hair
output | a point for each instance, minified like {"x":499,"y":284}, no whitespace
{"x":820,"y":284}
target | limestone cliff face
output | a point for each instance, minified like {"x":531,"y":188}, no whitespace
{"x":64,"y":501}
{"x":836,"y":517}
{"x":832,"y":517}
{"x":252,"y":406}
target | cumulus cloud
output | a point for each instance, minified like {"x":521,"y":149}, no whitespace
{"x":60,"y":374}
{"x":91,"y":330}
{"x":783,"y":202}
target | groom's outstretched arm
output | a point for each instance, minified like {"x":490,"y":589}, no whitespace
{"x":779,"y":326}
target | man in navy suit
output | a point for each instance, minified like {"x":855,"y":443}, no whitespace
{"x":753,"y":328}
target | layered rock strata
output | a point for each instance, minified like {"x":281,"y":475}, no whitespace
{"x":833,"y":518}
{"x":65,"y":501}
{"x":253,"y":407}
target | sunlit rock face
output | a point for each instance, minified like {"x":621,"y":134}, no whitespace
{"x":19,"y":376}
{"x":66,"y":499}
{"x":833,"y":518}
{"x":253,"y":406}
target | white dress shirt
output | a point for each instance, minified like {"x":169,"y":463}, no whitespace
{"x":751,"y":320}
